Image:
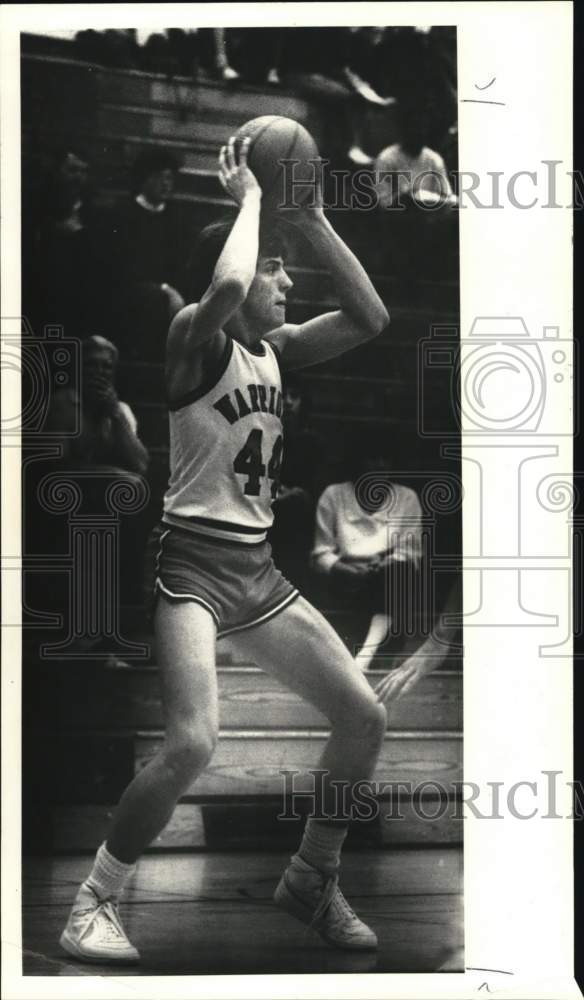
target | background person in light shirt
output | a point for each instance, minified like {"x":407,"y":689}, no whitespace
{"x":366,"y":543}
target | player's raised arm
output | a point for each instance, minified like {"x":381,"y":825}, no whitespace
{"x":362,"y":314}
{"x":198,"y":323}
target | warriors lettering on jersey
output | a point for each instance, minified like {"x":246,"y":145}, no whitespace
{"x":240,"y":402}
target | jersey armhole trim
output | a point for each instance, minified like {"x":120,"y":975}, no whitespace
{"x":277,"y":354}
{"x":207,"y":384}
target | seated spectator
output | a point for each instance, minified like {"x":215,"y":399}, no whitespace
{"x":414,"y":189}
{"x":107,"y":442}
{"x":300,"y":479}
{"x":63,"y":264}
{"x":319,"y":62}
{"x":218,"y":53}
{"x":257,"y":54}
{"x":108,"y":430}
{"x":368,"y":536}
{"x":149,"y":254}
{"x":417,"y":173}
{"x":419,"y":67}
{"x":222,"y":66}
{"x":184,"y":49}
{"x":115,"y":47}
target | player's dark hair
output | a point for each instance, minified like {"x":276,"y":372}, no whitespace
{"x":209,"y":246}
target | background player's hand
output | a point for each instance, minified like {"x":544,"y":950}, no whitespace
{"x":234,"y":173}
{"x":402,"y":679}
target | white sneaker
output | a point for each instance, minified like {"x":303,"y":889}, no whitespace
{"x":316,"y":900}
{"x":94,"y":931}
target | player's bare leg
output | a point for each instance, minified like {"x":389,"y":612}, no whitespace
{"x":186,"y":656}
{"x":301,"y":649}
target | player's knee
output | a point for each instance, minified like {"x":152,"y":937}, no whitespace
{"x":371,"y":719}
{"x":190,"y":751}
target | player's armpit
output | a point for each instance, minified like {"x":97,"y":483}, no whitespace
{"x":196,"y":324}
{"x":318,"y":340}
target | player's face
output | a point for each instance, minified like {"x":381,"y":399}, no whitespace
{"x":265,"y":305}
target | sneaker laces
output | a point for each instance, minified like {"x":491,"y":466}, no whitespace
{"x":331,"y":894}
{"x":106,"y":912}
{"x":343,"y":910}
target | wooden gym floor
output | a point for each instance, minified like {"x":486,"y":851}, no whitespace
{"x":212,"y":913}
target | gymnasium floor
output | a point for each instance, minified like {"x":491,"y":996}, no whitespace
{"x":211,"y":913}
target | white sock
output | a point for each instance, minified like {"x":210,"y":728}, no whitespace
{"x":321,"y":845}
{"x":108,"y":875}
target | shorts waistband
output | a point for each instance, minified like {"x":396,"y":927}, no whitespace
{"x":228,"y":538}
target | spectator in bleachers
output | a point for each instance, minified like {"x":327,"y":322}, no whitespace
{"x":257,"y":54}
{"x":222,"y":66}
{"x":64,"y":266}
{"x":108,"y":430}
{"x":156,"y":55}
{"x":368,"y":545}
{"x":414,"y":189}
{"x":99,"y":434}
{"x":184,"y":50}
{"x":149,"y":252}
{"x":417,"y":173}
{"x":420,"y":71}
{"x":300,"y":482}
{"x":321,"y":63}
{"x":117,"y":48}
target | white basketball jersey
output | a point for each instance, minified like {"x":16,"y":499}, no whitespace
{"x":226,"y":447}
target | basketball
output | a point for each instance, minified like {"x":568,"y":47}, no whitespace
{"x":273,"y":139}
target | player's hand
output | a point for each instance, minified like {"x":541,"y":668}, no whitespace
{"x":402,"y":679}
{"x":234,"y":173}
{"x":309,"y":208}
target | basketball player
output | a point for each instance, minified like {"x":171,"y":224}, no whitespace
{"x":215,"y":573}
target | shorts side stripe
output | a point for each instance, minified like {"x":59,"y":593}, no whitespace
{"x":263,"y":618}
{"x":159,"y":554}
{"x":187,"y":597}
